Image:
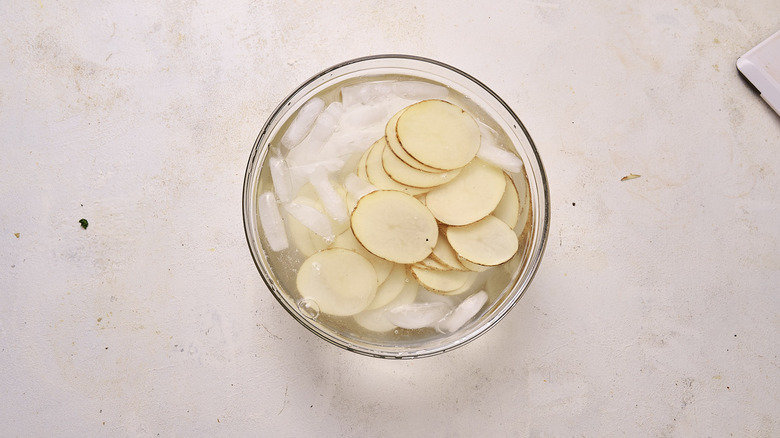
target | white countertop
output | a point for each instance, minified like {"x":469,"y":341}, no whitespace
{"x":656,"y":311}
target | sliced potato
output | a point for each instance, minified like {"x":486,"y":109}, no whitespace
{"x":346,"y":240}
{"x":473,"y":266}
{"x":394,"y":226}
{"x":340,"y":281}
{"x":440,"y":281}
{"x":444,"y":254}
{"x":392,"y":141}
{"x":508,"y":208}
{"x":361,"y":166}
{"x":305,"y":240}
{"x":390,"y":288}
{"x":467,"y":285}
{"x":432,"y":264}
{"x":470,"y":196}
{"x":438,"y":134}
{"x":408,"y":175}
{"x":487,"y":242}
{"x":376,"y":172}
{"x":524,"y":216}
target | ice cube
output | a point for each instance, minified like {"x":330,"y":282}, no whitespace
{"x":302,"y":124}
{"x":327,"y":122}
{"x":366,"y":92}
{"x":357,"y":187}
{"x":271,"y":221}
{"x":280,"y":175}
{"x":311,"y":218}
{"x":418,"y":90}
{"x":362,"y":116}
{"x":491,"y":151}
{"x":332,"y":201}
{"x":417,"y":315}
{"x":487,"y":131}
{"x":352,"y":141}
{"x":506,"y":160}
{"x":463,"y":313}
{"x":305,"y":153}
{"x":376,"y":319}
{"x":300,"y":173}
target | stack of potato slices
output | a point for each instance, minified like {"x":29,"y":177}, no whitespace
{"x":438,"y":217}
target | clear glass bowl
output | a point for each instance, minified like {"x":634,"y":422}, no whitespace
{"x":278,"y":269}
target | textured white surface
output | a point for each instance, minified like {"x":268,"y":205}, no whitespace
{"x":656,"y":311}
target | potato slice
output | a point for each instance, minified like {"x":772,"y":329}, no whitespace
{"x":472,"y":195}
{"x":473,"y":266}
{"x":432,"y":264}
{"x":440,"y":281}
{"x":525,"y":201}
{"x":508,"y":208}
{"x":340,"y":281}
{"x":346,"y":240}
{"x":376,"y":172}
{"x":404,"y":174}
{"x":394,"y":226}
{"x":487,"y":242}
{"x":468,"y":285}
{"x":390,"y":288}
{"x":305,"y":240}
{"x":438,"y":134}
{"x":361,"y":166}
{"x":392,"y":141}
{"x":444,"y":254}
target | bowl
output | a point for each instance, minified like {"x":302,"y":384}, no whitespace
{"x":302,"y":189}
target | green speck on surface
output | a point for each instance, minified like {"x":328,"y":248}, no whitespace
{"x":84,"y":223}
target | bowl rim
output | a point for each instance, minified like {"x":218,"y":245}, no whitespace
{"x":534,"y":257}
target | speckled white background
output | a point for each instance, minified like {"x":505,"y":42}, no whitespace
{"x":656,"y":311}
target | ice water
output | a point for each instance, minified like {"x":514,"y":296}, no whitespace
{"x":311,"y":163}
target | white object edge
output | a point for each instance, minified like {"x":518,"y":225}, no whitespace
{"x":761,"y":66}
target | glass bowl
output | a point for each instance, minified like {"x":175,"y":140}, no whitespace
{"x":358,"y":84}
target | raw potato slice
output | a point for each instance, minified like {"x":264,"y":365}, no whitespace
{"x":444,"y":254}
{"x":473,"y":266}
{"x":467,"y":286}
{"x":469,"y":197}
{"x":440,"y":281}
{"x":508,"y":208}
{"x":392,"y":141}
{"x":525,"y":201}
{"x":307,"y":241}
{"x":376,"y":172}
{"x":390,"y":288}
{"x":346,"y":240}
{"x":432,"y":264}
{"x":361,"y":167}
{"x":407,"y":175}
{"x":394,"y":226}
{"x":438,"y":134}
{"x":488,"y":242}
{"x":340,"y":281}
